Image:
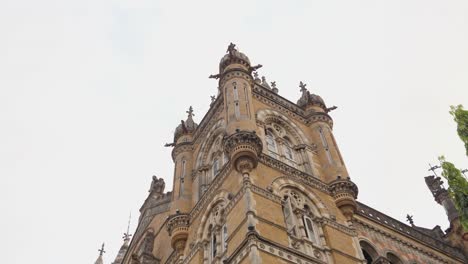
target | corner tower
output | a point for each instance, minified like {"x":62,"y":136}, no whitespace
{"x":261,"y":180}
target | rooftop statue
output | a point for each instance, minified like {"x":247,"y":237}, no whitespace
{"x":157,"y":186}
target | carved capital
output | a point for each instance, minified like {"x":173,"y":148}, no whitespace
{"x":243,"y":148}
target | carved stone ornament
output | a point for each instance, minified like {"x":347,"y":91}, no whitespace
{"x":177,"y":227}
{"x":345,"y":192}
{"x":157,"y":186}
{"x":243,"y":148}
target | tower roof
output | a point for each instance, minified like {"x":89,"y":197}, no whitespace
{"x":233,"y":56}
{"x":309,"y":99}
{"x":186,"y":127}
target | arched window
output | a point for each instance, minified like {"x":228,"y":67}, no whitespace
{"x":215,"y":233}
{"x":370,"y":254}
{"x":271,"y":144}
{"x":300,"y":218}
{"x":393,"y":259}
{"x":215,"y":167}
{"x":289,"y":216}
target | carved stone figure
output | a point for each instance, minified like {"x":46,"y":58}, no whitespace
{"x":157,"y":186}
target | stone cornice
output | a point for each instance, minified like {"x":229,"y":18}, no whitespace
{"x":295,"y":173}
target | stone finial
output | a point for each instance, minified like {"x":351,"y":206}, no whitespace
{"x":190,"y":112}
{"x":101,"y":252}
{"x":273,"y":87}
{"x":265,"y":83}
{"x":256,"y":79}
{"x":409,"y":218}
{"x":303,"y":86}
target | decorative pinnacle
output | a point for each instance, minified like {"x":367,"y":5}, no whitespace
{"x":101,"y":251}
{"x":273,"y":84}
{"x":190,"y":112}
{"x":255,"y":74}
{"x":303,"y":86}
{"x":434,"y":168}
{"x":213,"y":98}
{"x":127,"y":234}
{"x":409,"y":218}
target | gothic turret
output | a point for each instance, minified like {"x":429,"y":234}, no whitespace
{"x":311,"y":101}
{"x":236,"y":82}
{"x":186,"y":128}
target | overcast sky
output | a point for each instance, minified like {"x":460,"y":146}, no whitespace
{"x":91,"y":90}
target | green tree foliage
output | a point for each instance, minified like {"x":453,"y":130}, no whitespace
{"x":458,"y":185}
{"x":461,"y":118}
{"x":458,"y":189}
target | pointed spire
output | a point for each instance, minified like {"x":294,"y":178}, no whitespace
{"x":126,"y":237}
{"x":101,"y":252}
{"x":123,"y":249}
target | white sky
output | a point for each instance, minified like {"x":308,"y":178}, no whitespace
{"x":91,"y":90}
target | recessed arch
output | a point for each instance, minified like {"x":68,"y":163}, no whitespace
{"x":393,"y":258}
{"x":369,"y":251}
{"x":268,"y":116}
{"x":220,"y":198}
{"x":216,"y":130}
{"x":283,"y":182}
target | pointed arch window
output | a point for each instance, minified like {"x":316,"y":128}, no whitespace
{"x":289,"y":216}
{"x":214,"y":249}
{"x":309,"y":228}
{"x":288,"y":151}
{"x":271,"y":144}
{"x":215,"y":167}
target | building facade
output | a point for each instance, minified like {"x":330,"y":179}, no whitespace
{"x":261,"y":180}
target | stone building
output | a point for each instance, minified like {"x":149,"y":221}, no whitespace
{"x":261,"y":180}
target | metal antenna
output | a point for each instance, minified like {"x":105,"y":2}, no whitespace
{"x":434,"y":168}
